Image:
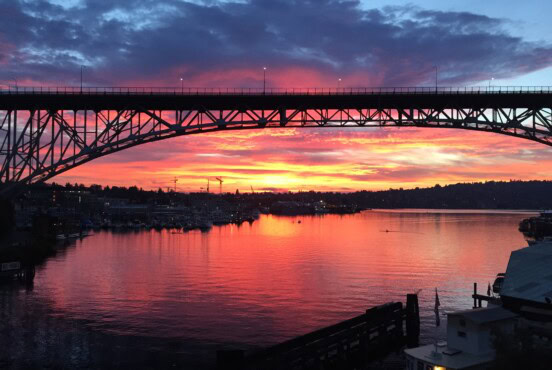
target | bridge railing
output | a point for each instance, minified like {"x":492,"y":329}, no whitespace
{"x":71,"y":90}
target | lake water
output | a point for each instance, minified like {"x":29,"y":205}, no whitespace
{"x":152,"y":298}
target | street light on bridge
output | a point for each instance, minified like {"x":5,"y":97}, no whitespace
{"x":338,"y":84}
{"x":436,"y":77}
{"x":181,"y":85}
{"x":264,"y":80}
{"x":82,"y":67}
{"x":16,"y":84}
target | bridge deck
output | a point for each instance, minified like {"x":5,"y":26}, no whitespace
{"x":224,"y":99}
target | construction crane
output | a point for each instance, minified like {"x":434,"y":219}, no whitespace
{"x":219,"y":179}
{"x":207,"y":184}
{"x":252,"y":191}
{"x":173,"y":187}
{"x":175,"y":180}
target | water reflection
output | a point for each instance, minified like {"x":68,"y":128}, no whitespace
{"x":177,"y":297}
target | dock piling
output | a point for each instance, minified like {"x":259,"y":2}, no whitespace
{"x":412,"y":320}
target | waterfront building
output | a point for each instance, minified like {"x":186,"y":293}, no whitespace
{"x":525,"y":303}
{"x":469,"y":341}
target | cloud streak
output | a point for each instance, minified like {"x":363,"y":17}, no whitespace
{"x":311,"y":160}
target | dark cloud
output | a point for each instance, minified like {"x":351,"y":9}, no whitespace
{"x":124,"y":41}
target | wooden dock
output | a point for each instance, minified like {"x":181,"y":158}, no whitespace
{"x":478,"y":298}
{"x":350,"y":344}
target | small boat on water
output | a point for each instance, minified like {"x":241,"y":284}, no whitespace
{"x":9,"y":269}
{"x":537,"y":227}
{"x":84,"y":234}
{"x":78,"y":235}
{"x":15,"y":269}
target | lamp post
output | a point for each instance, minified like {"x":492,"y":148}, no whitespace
{"x":181,"y":85}
{"x":16,"y":84}
{"x":82,"y":67}
{"x":490,"y":81}
{"x":338,"y":84}
{"x":264,"y":80}
{"x":436,"y":78}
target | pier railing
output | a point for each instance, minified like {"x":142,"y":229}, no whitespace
{"x":72,"y":90}
{"x":349,"y":343}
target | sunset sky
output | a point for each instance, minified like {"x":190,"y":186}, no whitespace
{"x":214,"y":43}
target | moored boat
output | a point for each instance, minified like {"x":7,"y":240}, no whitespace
{"x":537,"y":228}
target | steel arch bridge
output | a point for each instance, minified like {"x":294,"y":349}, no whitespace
{"x":47,"y":131}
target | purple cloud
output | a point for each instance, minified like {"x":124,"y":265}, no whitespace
{"x":124,"y":41}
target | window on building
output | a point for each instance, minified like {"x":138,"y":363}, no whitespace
{"x":462,"y":322}
{"x":461,"y":334}
{"x":421,"y":365}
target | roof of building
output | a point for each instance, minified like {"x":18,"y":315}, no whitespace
{"x":485,"y":315}
{"x":529,"y":273}
{"x":458,"y":359}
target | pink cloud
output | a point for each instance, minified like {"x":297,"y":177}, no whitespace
{"x":295,"y":159}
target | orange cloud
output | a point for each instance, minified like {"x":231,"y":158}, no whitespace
{"x":327,"y":160}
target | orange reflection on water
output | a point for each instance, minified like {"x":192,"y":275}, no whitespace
{"x":276,"y":278}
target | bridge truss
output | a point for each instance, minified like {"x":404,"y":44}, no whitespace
{"x":37,"y":144}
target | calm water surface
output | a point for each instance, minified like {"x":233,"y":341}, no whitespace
{"x":114,"y":299}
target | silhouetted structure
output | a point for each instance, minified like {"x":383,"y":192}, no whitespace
{"x":47,"y":131}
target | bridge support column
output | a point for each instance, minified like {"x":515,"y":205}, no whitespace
{"x":283,"y":117}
